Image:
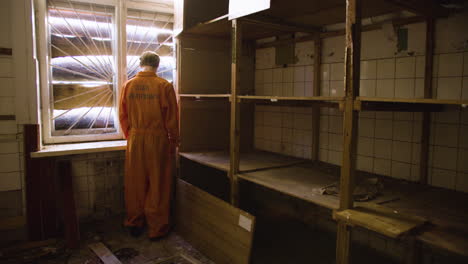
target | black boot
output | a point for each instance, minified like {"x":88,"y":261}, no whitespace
{"x":136,"y":231}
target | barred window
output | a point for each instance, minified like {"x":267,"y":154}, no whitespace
{"x":86,"y":60}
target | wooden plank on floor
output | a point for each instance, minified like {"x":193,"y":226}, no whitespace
{"x":380,"y":219}
{"x":104,"y":253}
{"x":220,"y":231}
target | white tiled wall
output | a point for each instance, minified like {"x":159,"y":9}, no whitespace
{"x":11,"y":156}
{"x":448,"y":152}
{"x":286,"y":130}
{"x":11,"y":135}
{"x":388,"y":142}
{"x":293,"y":80}
{"x":98,"y":184}
{"x":450,"y":75}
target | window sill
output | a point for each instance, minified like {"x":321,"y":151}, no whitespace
{"x":79,"y":148}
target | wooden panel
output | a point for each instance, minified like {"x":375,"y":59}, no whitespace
{"x":204,"y":66}
{"x":204,"y":125}
{"x":380,"y":219}
{"x":300,"y":181}
{"x":40,"y":189}
{"x":32,"y":181}
{"x":222,"y":232}
{"x":70,"y":218}
{"x":198,"y":11}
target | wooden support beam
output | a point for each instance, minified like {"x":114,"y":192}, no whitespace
{"x":343,"y":240}
{"x":316,"y":92}
{"x":280,"y":26}
{"x":352,"y":76}
{"x":428,"y":8}
{"x":33,"y":203}
{"x":413,"y":253}
{"x":397,"y":22}
{"x":426,"y":123}
{"x":350,"y":124}
{"x":236,"y":46}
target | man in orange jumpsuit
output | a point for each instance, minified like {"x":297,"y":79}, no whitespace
{"x":149,"y":119}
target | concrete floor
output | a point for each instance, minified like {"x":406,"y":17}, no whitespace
{"x":128,"y":249}
{"x":277,"y":241}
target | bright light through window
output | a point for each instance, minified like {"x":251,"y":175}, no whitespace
{"x":148,"y":31}
{"x":82,"y":67}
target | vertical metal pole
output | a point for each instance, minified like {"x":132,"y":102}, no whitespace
{"x":316,"y":92}
{"x":426,"y":123}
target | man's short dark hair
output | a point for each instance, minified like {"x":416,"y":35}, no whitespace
{"x":149,"y":58}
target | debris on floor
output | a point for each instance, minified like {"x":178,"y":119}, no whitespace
{"x":115,"y":238}
{"x":31,"y":252}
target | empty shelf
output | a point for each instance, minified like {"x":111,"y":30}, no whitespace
{"x":199,"y":96}
{"x":250,"y":161}
{"x":446,"y":210}
{"x":214,"y":159}
{"x":404,"y":105}
{"x":413,"y":100}
{"x":290,"y":99}
{"x":302,"y":181}
{"x":380,"y":219}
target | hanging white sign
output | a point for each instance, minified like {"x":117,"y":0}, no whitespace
{"x":240,"y":8}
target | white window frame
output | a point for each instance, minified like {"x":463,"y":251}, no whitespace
{"x":120,"y":60}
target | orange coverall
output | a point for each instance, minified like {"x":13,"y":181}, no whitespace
{"x":149,"y":119}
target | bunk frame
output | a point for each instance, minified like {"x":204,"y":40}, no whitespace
{"x":291,"y":177}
